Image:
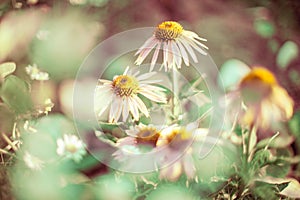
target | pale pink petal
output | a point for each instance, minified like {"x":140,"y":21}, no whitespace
{"x":146,"y":44}
{"x":193,"y":35}
{"x":155,"y":56}
{"x":183,"y":53}
{"x":195,"y":46}
{"x":144,"y":53}
{"x":189,"y":50}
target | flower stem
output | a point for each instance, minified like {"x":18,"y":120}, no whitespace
{"x":175,"y":90}
{"x":251,"y":132}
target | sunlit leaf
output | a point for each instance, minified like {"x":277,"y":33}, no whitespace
{"x":67,"y":39}
{"x":174,"y":192}
{"x":15,"y":93}
{"x":294,"y":124}
{"x":6,"y":69}
{"x":292,"y":190}
{"x":231,"y":73}
{"x":264,"y":28}
{"x":287,"y":53}
{"x":55,"y":125}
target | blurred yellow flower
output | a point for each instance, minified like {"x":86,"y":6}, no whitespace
{"x":176,"y":44}
{"x":265,"y":99}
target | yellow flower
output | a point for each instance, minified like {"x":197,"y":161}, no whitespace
{"x":176,"y":44}
{"x":265,"y":99}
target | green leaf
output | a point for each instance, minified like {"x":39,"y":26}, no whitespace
{"x":231,"y":73}
{"x":264,"y":28}
{"x":6,"y":69}
{"x":287,"y":53}
{"x":265,"y":191}
{"x":15,"y":93}
{"x":55,"y":125}
{"x":260,"y":159}
{"x":294,"y":124}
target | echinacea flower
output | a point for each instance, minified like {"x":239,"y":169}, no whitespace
{"x":71,"y":147}
{"x":176,"y":44}
{"x":177,"y":158}
{"x":168,"y":149}
{"x":121,"y":95}
{"x":140,"y":139}
{"x":265,"y":99}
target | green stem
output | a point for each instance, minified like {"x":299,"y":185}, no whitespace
{"x":175,"y":90}
{"x":251,"y":128}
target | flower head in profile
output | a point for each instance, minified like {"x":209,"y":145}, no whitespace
{"x":265,"y":99}
{"x":121,"y":95}
{"x":170,"y":147}
{"x":71,"y":147}
{"x":177,"y":45}
{"x":177,"y":158}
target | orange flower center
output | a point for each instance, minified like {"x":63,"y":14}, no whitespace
{"x":148,"y":135}
{"x":71,"y":148}
{"x":124,"y":85}
{"x":174,"y":137}
{"x":168,"y":30}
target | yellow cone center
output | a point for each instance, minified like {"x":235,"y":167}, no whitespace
{"x":168,"y":30}
{"x":257,"y":85}
{"x":125,"y":85}
{"x":71,"y":148}
{"x":148,"y":135}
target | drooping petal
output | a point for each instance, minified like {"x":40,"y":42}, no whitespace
{"x":155,"y":56}
{"x":183,"y":54}
{"x":141,"y":105}
{"x":189,"y":49}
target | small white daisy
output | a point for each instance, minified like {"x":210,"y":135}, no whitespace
{"x":32,"y":162}
{"x":176,"y":44}
{"x":71,"y":147}
{"x":121,"y":95}
{"x":36,"y":74}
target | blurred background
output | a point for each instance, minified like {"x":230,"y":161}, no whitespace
{"x":56,"y":36}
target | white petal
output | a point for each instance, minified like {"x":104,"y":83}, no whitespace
{"x":146,"y":76}
{"x":183,"y":54}
{"x":133,"y":109}
{"x":141,"y":105}
{"x":153,"y":96}
{"x":189,"y":49}
{"x":191,"y":42}
{"x":165,"y":52}
{"x":125,"y":110}
{"x":176,"y":54}
{"x":115,"y":109}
